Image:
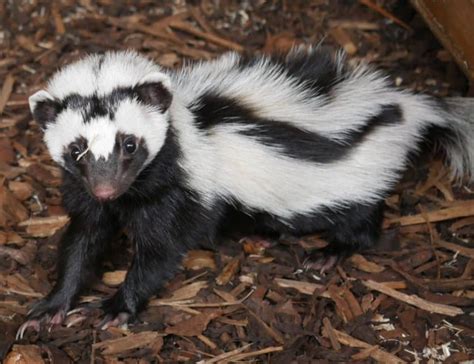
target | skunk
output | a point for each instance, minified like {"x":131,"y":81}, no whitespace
{"x":301,"y":143}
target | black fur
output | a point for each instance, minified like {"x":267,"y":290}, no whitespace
{"x":154,"y":94}
{"x":91,"y":106}
{"x":162,"y":217}
{"x":118,"y":171}
{"x":165,"y":219}
{"x":46,"y":111}
{"x":211,"y":110}
{"x":316,"y":71}
{"x":353,"y":227}
{"x":349,"y":228}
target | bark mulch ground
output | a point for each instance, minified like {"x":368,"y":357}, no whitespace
{"x":411,"y":299}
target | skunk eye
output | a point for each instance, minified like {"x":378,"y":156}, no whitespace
{"x":75,"y":152}
{"x":130,"y":145}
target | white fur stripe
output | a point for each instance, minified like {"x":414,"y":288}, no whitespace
{"x":226,"y":164}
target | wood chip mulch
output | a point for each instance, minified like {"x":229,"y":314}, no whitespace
{"x":409,"y":300}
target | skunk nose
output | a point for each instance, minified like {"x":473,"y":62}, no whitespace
{"x":104,"y":192}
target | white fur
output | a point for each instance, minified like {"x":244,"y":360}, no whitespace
{"x":38,"y":96}
{"x":230,"y":165}
{"x":460,"y":151}
{"x":86,"y":77}
{"x":130,"y":118}
{"x":272,"y":95}
{"x":226,"y":164}
{"x":147,"y":123}
{"x":94,"y":74}
{"x":223,"y":163}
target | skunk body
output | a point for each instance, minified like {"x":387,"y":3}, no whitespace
{"x":300,"y":143}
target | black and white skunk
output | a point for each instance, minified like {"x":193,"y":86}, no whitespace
{"x":301,"y":143}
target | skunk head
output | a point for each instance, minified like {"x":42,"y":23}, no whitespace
{"x":105,"y":118}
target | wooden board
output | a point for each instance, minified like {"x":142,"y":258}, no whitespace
{"x":452,"y":23}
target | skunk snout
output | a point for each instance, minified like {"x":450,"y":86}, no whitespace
{"x":105,"y":192}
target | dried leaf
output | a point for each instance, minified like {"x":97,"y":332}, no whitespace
{"x":133,"y":341}
{"x":7,"y":154}
{"x":42,"y":227}
{"x":23,"y":256}
{"x":199,"y":259}
{"x":22,"y":190}
{"x":193,"y":326}
{"x":11,"y":209}
{"x":9,"y":171}
{"x":228,"y":272}
{"x":189,"y":291}
{"x":115,"y":278}
{"x":302,"y":287}
{"x":282,"y":42}
{"x":10,"y":237}
{"x":43,"y":175}
{"x":24,"y":354}
{"x":364,"y":265}
{"x":341,"y":36}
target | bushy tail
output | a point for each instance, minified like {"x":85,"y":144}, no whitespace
{"x":459,"y":145}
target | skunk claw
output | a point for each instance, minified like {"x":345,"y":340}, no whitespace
{"x":34,"y":324}
{"x":322,"y":264}
{"x":111,"y":321}
{"x":79,"y":311}
{"x":78,"y":315}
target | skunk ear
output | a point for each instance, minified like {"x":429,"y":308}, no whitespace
{"x":43,"y":107}
{"x":155,"y":89}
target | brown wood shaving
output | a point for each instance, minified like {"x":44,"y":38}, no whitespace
{"x":415,"y":300}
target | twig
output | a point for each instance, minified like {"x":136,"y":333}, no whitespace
{"x":207,"y":341}
{"x":237,"y":354}
{"x":332,"y":336}
{"x":190,"y":303}
{"x":435,"y":253}
{"x":461,"y":209}
{"x":6,"y":91}
{"x":302,"y":287}
{"x":277,"y":336}
{"x":377,"y":354}
{"x":414,"y":300}
{"x":467,"y":252}
{"x":224,"y":355}
{"x":184,"y":27}
{"x":365,"y":353}
{"x":385,"y":13}
{"x":158,"y":33}
{"x":243,"y":356}
{"x":94,"y":341}
{"x":45,"y":220}
{"x":58,"y":20}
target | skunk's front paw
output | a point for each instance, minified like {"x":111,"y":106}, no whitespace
{"x":116,"y":312}
{"x":111,"y":320}
{"x":45,"y":312}
{"x":322,"y":263}
{"x":326,"y":259}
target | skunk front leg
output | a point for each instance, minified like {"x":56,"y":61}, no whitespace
{"x":162,"y":234}
{"x":78,"y":253}
{"x":151,"y":268}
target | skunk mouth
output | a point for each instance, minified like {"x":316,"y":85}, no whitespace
{"x":107,"y":180}
{"x":105,"y":192}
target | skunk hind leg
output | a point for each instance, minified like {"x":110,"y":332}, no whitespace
{"x":355,"y":229}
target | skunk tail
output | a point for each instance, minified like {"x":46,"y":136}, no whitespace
{"x":458,"y":139}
